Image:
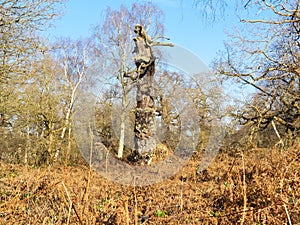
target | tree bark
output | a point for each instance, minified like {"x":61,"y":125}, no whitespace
{"x":122,"y":126}
{"x":145,"y":126}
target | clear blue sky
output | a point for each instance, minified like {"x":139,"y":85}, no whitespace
{"x":182,"y":22}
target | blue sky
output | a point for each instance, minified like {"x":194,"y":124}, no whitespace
{"x":183,"y":24}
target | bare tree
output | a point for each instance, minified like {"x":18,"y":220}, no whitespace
{"x":211,"y":10}
{"x":265,"y":55}
{"x":19,"y":25}
{"x":73,"y":60}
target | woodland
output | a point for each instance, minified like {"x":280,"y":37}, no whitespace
{"x":46,"y":177}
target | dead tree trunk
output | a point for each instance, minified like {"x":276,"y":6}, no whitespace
{"x":145,"y":126}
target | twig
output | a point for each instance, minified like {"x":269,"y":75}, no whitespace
{"x":86,"y":193}
{"x":181,"y":196}
{"x":71,"y":204}
{"x":287,"y":214}
{"x":127,"y":212}
{"x":69,"y":213}
{"x":245,"y":6}
{"x":135,"y":204}
{"x":244,"y":190}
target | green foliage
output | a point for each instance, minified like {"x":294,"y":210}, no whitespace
{"x":215,"y":214}
{"x":160,"y":213}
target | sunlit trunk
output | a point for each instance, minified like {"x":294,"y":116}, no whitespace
{"x":145,"y":126}
{"x":122,"y":126}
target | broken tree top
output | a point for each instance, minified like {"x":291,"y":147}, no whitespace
{"x":143,"y":45}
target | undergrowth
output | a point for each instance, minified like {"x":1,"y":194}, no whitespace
{"x":260,"y":186}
